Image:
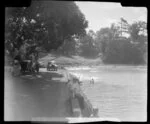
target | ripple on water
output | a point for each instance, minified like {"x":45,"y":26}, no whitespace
{"x":118,"y":92}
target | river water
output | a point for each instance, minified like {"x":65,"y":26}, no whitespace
{"x":118,"y":91}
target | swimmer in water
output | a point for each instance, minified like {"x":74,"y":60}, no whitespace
{"x":92,"y":81}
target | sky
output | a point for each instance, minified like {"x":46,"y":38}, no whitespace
{"x":102,"y":14}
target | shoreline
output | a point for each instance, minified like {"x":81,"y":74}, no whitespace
{"x":86,"y":67}
{"x":79,"y":91}
{"x":88,"y":110}
{"x":75,"y":102}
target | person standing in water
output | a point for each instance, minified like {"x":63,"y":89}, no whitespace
{"x":92,"y":81}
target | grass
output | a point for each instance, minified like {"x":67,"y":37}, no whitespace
{"x":69,"y":61}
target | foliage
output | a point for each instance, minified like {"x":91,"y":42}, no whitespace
{"x":123,"y":50}
{"x":60,"y":25}
{"x":68,"y":48}
{"x":45,"y":23}
{"x":137,"y":31}
{"x":88,"y":46}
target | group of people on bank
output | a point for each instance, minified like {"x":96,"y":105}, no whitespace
{"x":25,"y":59}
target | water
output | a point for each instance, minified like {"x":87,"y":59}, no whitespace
{"x":119,"y":91}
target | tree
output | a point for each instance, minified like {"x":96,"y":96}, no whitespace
{"x":45,"y":23}
{"x":115,"y":31}
{"x":138,"y":35}
{"x":22,"y":29}
{"x":63,"y":20}
{"x":103,"y":37}
{"x":116,"y":48}
{"x":92,"y":34}
{"x":137,"y":31}
{"x":88,"y":46}
{"x":68,"y":47}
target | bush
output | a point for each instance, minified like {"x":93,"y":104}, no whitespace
{"x":123,"y":52}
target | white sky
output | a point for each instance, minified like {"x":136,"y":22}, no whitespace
{"x":102,"y":14}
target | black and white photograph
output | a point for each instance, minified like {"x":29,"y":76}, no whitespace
{"x":75,"y":61}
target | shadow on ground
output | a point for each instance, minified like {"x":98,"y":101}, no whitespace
{"x":35,"y":95}
{"x":41,"y":76}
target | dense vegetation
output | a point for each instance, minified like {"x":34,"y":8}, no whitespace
{"x":60,"y":26}
{"x":114,"y":47}
{"x":111,"y":44}
{"x":48,"y":24}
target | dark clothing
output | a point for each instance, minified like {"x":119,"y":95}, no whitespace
{"x":17,"y":57}
{"x":80,"y":100}
{"x":23,"y":66}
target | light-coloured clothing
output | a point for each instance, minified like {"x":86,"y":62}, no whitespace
{"x":16,"y":70}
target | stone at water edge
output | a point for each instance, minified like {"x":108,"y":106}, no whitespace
{"x":87,"y":119}
{"x":77,"y":112}
{"x":95,"y":112}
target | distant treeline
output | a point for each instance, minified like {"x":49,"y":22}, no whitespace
{"x":120,"y":43}
{"x":60,"y":26}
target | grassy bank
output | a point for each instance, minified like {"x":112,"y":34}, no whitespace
{"x":69,"y":61}
{"x":76,"y":61}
